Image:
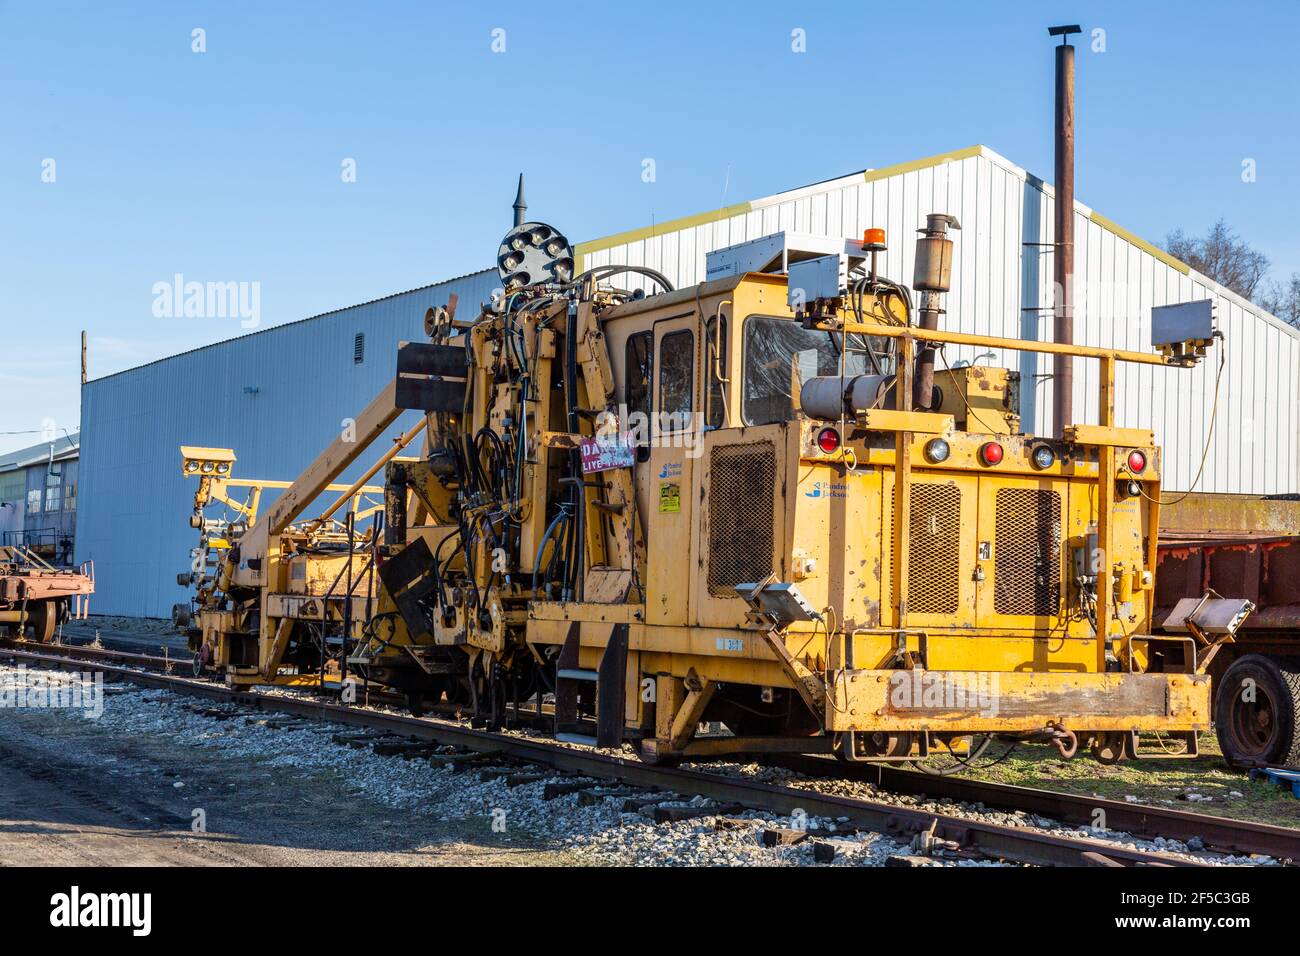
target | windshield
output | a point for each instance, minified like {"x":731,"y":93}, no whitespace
{"x":778,"y":349}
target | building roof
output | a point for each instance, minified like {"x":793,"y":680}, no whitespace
{"x":292,"y":322}
{"x":583,"y":249}
{"x":60,"y":449}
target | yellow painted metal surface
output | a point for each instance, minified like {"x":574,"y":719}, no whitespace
{"x":872,"y":700}
{"x":980,"y":398}
{"x":886,"y":420}
{"x":1110,"y":437}
{"x":1031,"y":582}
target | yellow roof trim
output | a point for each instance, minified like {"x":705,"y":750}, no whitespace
{"x":1142,"y":244}
{"x":583,"y":249}
{"x":886,"y":171}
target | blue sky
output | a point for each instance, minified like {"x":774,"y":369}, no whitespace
{"x":226,"y":165}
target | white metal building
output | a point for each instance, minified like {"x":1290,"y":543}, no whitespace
{"x":223,"y":394}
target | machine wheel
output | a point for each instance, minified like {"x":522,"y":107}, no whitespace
{"x":1110,"y":748}
{"x":882,"y":744}
{"x":1256,"y":712}
{"x":42,"y":619}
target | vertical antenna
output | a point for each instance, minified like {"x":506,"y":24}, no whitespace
{"x":521,"y":207}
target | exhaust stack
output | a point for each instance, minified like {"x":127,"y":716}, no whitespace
{"x":1063,"y":241}
{"x":931,"y":276}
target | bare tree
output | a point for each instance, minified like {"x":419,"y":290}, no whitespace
{"x":1222,"y":256}
{"x":1283,"y":299}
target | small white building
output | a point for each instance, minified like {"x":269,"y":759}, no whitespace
{"x":133,"y":518}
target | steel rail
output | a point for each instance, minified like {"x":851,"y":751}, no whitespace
{"x":994,"y":840}
{"x":91,"y":654}
{"x":1220,"y":833}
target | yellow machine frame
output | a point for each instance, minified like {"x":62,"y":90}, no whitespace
{"x":1056,"y":677}
{"x":920,"y":600}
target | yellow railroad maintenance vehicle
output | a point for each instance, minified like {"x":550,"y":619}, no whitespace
{"x":746,"y":516}
{"x":274,"y":595}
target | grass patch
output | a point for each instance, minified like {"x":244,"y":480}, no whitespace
{"x":1155,"y":782}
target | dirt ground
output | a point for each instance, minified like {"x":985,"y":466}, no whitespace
{"x":72,"y":794}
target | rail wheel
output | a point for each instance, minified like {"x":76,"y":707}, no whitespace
{"x":42,"y":619}
{"x":1256,"y":712}
{"x":872,"y":745}
{"x":1110,"y":748}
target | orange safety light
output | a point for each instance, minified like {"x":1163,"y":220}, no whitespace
{"x":873,"y":238}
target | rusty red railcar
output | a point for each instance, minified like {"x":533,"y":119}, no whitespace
{"x":36,"y":597}
{"x":1257,"y":676}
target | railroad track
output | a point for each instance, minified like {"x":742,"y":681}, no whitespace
{"x":106,"y":655}
{"x":1014,"y":844}
{"x":1217,"y":833}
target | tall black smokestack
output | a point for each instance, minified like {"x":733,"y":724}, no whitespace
{"x":1063,"y":257}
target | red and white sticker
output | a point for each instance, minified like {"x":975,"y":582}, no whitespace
{"x":605,"y":453}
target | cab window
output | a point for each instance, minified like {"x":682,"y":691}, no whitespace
{"x":639,"y":362}
{"x":775,"y":350}
{"x":677,"y":377}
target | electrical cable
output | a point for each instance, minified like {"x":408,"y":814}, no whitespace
{"x":1209,"y":437}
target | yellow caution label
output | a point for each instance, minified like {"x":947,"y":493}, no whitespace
{"x":670,"y":496}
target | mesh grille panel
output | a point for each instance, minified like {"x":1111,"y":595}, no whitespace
{"x":741,"y":490}
{"x":1027,"y":556}
{"x":934,"y":572}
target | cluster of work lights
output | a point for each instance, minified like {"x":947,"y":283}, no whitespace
{"x":207,"y":467}
{"x":991,"y":453}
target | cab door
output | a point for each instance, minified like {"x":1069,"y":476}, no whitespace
{"x":675,"y":436}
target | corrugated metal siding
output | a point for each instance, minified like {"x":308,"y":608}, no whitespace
{"x":1002,"y":285}
{"x":133,"y":422}
{"x":134,"y":505}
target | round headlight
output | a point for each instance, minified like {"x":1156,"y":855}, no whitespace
{"x":207,"y":467}
{"x":223,"y":467}
{"x":191,"y":466}
{"x":937,"y":450}
{"x":1044,"y":457}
